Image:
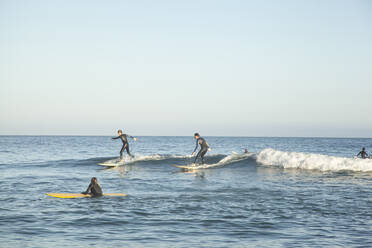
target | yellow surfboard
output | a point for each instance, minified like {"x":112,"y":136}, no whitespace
{"x":77,"y":195}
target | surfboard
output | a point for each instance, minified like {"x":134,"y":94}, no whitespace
{"x":77,"y":195}
{"x":109,"y":164}
{"x":193,"y":166}
{"x":184,"y":166}
{"x":112,"y":163}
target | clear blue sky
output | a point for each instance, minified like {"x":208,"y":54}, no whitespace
{"x":245,"y":68}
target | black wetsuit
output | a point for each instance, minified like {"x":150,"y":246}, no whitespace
{"x":124,"y":139}
{"x":94,"y":190}
{"x":203,"y":149}
{"x":362,"y":154}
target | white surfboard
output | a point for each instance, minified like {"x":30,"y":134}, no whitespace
{"x":195,"y":166}
{"x":112,"y":163}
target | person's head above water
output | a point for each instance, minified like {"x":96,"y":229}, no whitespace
{"x":196,"y":135}
{"x":94,"y":180}
{"x":120,"y":132}
{"x":363,"y":149}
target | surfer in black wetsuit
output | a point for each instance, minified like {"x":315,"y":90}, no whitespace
{"x":124,"y":139}
{"x":93,"y":189}
{"x":363,"y":154}
{"x":203,"y":147}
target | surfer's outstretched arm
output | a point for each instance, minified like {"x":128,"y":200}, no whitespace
{"x":116,"y":138}
{"x":134,"y":138}
{"x":88,"y":189}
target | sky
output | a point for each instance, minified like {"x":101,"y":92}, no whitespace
{"x":220,"y":68}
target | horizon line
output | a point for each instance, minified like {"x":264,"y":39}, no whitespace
{"x":227,"y":136}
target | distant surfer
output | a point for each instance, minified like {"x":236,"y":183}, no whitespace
{"x":363,"y":154}
{"x":203,"y":147}
{"x":124,"y":139}
{"x":245,"y":150}
{"x":93,"y":189}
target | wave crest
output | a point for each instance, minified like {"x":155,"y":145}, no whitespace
{"x":309,"y":161}
{"x":227,"y":160}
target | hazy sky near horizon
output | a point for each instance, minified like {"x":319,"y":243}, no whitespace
{"x":245,"y":68}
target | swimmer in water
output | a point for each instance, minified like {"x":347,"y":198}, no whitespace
{"x":363,"y":154}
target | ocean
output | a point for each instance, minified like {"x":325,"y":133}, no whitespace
{"x":286,"y":192}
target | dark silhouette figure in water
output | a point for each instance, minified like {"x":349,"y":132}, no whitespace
{"x":363,"y":154}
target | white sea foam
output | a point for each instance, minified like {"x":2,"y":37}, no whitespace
{"x":299,"y":160}
{"x":138,"y":157}
{"x":234,"y":157}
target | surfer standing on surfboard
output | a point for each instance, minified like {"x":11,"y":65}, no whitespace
{"x":203,"y":147}
{"x":124,"y":139}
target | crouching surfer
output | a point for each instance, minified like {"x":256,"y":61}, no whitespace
{"x":93,"y":189}
{"x":203,"y":147}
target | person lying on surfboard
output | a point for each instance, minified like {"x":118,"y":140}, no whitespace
{"x":93,"y":189}
{"x":203,"y":147}
{"x":124,"y":139}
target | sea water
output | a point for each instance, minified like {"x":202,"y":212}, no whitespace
{"x":287,"y":192}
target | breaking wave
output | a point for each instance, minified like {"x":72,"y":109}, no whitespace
{"x":309,"y":161}
{"x":215,"y":160}
{"x":226,"y":160}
